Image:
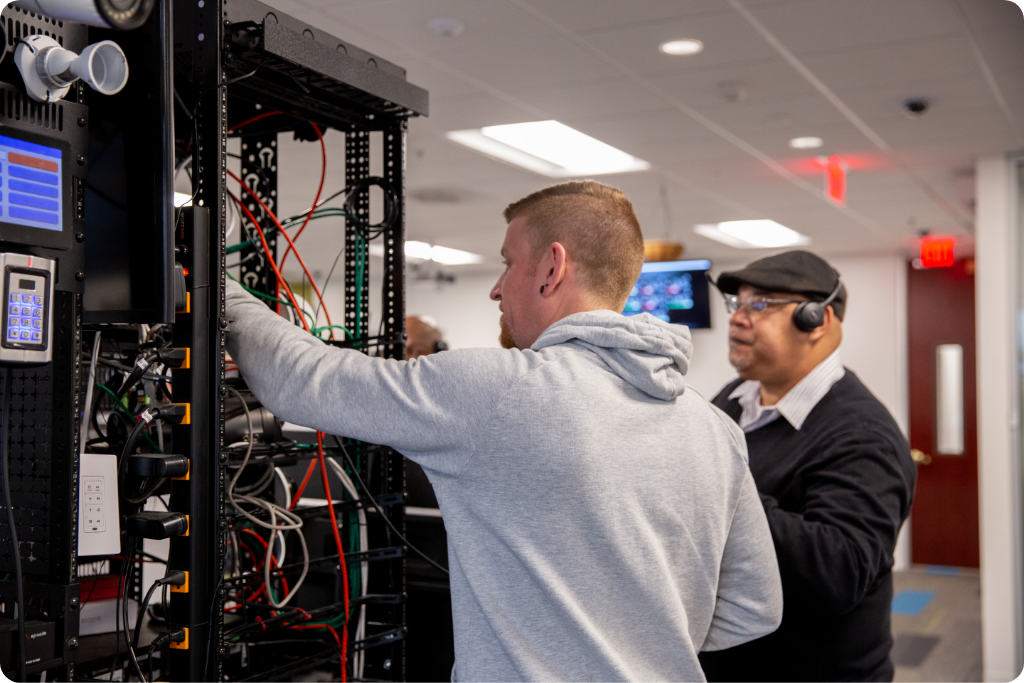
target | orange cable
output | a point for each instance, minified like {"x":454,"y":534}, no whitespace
{"x":323,"y":174}
{"x":341,"y":552}
{"x":291,"y":244}
{"x":302,"y":486}
{"x":254,"y":119}
{"x":273,"y":265}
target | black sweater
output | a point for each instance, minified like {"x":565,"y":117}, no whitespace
{"x":835,"y":493}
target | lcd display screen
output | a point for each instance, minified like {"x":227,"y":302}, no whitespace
{"x":31,"y":184}
{"x":674,"y":291}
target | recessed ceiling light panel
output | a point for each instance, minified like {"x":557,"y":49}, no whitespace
{"x":549,"y":148}
{"x":809,"y":142}
{"x":426,"y":252}
{"x":688,"y":46}
{"x":756,"y":234}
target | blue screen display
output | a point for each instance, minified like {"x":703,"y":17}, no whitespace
{"x":673,"y":291}
{"x":30,"y":184}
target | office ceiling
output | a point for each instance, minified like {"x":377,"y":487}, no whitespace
{"x":836,"y":69}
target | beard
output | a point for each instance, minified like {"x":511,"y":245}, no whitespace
{"x":505,"y":338}
{"x":740,"y":361}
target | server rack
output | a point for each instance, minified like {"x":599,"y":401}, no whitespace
{"x":216,"y":69}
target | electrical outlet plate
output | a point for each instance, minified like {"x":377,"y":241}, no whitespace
{"x":98,"y":530}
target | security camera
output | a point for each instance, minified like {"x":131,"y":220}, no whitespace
{"x":123,"y":15}
{"x":49,"y":70}
{"x":916,"y":107}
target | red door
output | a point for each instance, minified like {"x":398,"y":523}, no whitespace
{"x":940,"y":310}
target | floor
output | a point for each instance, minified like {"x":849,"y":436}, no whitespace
{"x":936,"y":624}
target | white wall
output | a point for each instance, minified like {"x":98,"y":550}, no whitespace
{"x":999,"y":473}
{"x":874,"y":332}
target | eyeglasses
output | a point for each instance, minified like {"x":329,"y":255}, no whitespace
{"x":754,"y":304}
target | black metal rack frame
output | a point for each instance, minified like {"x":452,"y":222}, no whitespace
{"x":231,"y":58}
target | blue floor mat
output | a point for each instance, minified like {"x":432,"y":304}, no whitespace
{"x":940,"y":570}
{"x":911,"y":603}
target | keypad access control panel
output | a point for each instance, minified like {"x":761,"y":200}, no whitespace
{"x":27,"y":293}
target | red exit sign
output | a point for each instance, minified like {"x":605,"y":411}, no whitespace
{"x":937,"y":252}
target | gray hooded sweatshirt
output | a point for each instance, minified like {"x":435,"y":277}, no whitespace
{"x":602,"y":521}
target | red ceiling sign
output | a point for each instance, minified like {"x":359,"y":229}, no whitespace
{"x":835,"y":180}
{"x":937,"y":252}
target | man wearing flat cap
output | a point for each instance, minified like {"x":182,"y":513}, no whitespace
{"x":833,"y":471}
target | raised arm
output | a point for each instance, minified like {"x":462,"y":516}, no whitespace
{"x":833,"y":548}
{"x":424,"y":408}
{"x":749,"y":599}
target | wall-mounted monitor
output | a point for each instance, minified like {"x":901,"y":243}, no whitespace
{"x":674,"y":291}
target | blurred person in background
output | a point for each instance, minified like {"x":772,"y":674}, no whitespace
{"x":423,"y":337}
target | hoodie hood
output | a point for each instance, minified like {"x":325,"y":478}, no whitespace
{"x":650,"y":354}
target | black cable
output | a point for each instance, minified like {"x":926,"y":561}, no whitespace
{"x":328,"y":280}
{"x":124,"y":609}
{"x":18,"y":577}
{"x":366,"y":492}
{"x":129,"y":445}
{"x":142,"y":612}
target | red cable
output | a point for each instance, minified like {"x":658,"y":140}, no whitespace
{"x":341,"y":552}
{"x":323,"y":174}
{"x":291,"y":244}
{"x":253,"y":120}
{"x":273,"y":265}
{"x":302,"y":486}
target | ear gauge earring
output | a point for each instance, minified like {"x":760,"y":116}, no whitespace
{"x":542,"y":288}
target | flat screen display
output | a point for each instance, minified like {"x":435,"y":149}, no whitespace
{"x":674,"y":291}
{"x":31,"y":184}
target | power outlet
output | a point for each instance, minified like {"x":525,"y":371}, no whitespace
{"x":94,"y":520}
{"x":98,"y":532}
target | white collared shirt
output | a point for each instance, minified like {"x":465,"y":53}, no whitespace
{"x":798,"y":402}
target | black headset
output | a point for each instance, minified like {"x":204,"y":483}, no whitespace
{"x":810,"y":315}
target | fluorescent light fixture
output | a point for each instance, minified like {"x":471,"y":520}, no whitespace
{"x":549,"y":148}
{"x":806,"y":143}
{"x":426,"y":252}
{"x":759,"y":234}
{"x":182,"y":199}
{"x":682,"y":47}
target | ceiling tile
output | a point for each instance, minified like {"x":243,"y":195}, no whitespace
{"x":813,"y":26}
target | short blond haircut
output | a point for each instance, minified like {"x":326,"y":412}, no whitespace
{"x":597,"y":226}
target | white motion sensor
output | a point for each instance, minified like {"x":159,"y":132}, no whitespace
{"x":49,"y":70}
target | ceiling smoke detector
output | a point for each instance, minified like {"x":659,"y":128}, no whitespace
{"x":446,"y":27}
{"x":733,"y":91}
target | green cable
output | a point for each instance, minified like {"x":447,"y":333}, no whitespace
{"x":317,"y":330}
{"x":126,"y":411}
{"x":360,"y":266}
{"x":270,"y":232}
{"x":269,"y":297}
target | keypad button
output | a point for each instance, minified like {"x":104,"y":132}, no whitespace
{"x":15,"y":298}
{"x":12,"y":333}
{"x":14,"y":322}
{"x":39,"y":300}
{"x":15,"y":310}
{"x":37,"y":324}
{"x":38,"y":313}
{"x":37,"y":336}
{"x":25,"y":334}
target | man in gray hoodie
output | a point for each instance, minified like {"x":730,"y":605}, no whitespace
{"x":602,"y":521}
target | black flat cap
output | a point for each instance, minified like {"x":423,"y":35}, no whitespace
{"x":794,"y":272}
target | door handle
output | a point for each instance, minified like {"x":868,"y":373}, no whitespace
{"x":920,"y":457}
